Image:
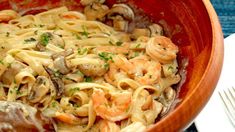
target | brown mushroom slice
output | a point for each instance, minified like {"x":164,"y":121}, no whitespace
{"x":93,"y":69}
{"x":61,"y":65}
{"x":122,"y":10}
{"x":155,"y":29}
{"x":89,"y":2}
{"x":121,"y":14}
{"x":56,"y":80}
{"x":9,"y":75}
{"x":39,"y":89}
{"x":65,"y":53}
{"x":96,"y":11}
{"x":60,"y":61}
{"x":15,"y":116}
{"x":47,"y":38}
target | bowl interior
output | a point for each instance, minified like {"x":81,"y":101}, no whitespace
{"x":186,"y":22}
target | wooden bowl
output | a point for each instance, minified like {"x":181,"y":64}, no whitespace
{"x":194,"y":26}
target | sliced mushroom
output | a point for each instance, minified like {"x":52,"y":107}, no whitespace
{"x":60,"y":61}
{"x":13,"y":68}
{"x":39,"y":89}
{"x":93,"y":69}
{"x":47,"y":38}
{"x":89,"y":2}
{"x":96,"y":11}
{"x":121,"y":10}
{"x":65,"y":53}
{"x":155,"y":29}
{"x":121,"y":14}
{"x":56,"y":80}
{"x":15,"y":116}
{"x":60,"y":64}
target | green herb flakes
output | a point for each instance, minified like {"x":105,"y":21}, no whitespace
{"x":88,"y":79}
{"x":7,"y":34}
{"x":73,"y":90}
{"x":119,"y":43}
{"x":45,"y":38}
{"x":1,"y":62}
{"x":84,"y":32}
{"x":106,"y":56}
{"x":82,"y":51}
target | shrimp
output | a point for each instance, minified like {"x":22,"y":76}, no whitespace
{"x":161,"y":49}
{"x":108,"y":126}
{"x":146,"y":72}
{"x":142,"y":69}
{"x":117,"y":111}
{"x":114,"y":74}
{"x":7,"y":15}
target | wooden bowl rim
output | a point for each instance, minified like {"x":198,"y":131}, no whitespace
{"x":169,"y":123}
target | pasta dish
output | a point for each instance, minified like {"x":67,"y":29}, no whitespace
{"x":87,"y":71}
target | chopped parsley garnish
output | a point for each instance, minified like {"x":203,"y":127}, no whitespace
{"x":106,"y":66}
{"x":73,"y":90}
{"x":45,"y":38}
{"x":29,"y":40}
{"x":36,"y":32}
{"x":88,"y":79}
{"x":170,"y":68}
{"x":1,"y":62}
{"x":84,"y":32}
{"x":106,"y":56}
{"x":119,"y":43}
{"x":7,"y":34}
{"x":82,"y":51}
{"x":110,"y":42}
{"x":137,"y":45}
{"x":54,"y":104}
{"x":76,"y":105}
{"x":57,"y":73}
{"x":18,"y":92}
{"x":78,"y":37}
{"x":40,"y":25}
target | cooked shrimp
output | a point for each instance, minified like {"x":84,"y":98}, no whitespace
{"x":119,"y":108}
{"x":114,"y":74}
{"x":161,"y":49}
{"x":147,"y":72}
{"x":108,"y":126}
{"x":7,"y":15}
{"x":140,"y":68}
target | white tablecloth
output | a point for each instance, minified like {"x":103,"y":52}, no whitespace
{"x":213,"y":117}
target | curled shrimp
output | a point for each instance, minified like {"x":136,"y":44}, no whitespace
{"x":146,"y":72}
{"x":161,"y":49}
{"x":114,"y":74}
{"x":108,"y":126}
{"x":120,"y":103}
{"x":142,"y":69}
{"x":7,"y":15}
